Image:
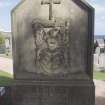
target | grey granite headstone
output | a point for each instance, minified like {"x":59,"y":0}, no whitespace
{"x":52,"y":51}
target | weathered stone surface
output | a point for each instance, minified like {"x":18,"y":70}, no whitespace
{"x":74,"y":93}
{"x":52,"y":51}
{"x":73,"y":55}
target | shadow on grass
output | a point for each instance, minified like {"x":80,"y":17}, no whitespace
{"x":5,"y":81}
{"x":100,"y":100}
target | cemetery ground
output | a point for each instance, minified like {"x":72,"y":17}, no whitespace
{"x":6,"y":65}
{"x":6,"y":55}
{"x":6,"y":71}
{"x":99,"y":75}
{"x":5,"y":78}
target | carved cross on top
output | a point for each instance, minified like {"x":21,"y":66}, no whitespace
{"x":50,"y":3}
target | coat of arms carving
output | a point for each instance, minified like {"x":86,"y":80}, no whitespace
{"x":52,"y":42}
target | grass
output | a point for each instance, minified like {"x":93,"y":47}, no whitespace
{"x":99,"y":75}
{"x":5,"y":78}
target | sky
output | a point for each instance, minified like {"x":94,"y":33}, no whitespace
{"x":99,"y":6}
{"x":7,"y":5}
{"x":5,"y":14}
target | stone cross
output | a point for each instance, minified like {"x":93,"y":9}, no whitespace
{"x":50,"y":3}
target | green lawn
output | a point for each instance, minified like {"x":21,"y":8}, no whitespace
{"x":5,"y":78}
{"x":99,"y":75}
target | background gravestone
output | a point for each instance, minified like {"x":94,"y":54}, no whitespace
{"x":52,"y":51}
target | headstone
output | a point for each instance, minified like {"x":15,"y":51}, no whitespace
{"x":52,"y":51}
{"x":99,"y":62}
{"x":2,"y":49}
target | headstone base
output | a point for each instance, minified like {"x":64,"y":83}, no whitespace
{"x":53,"y":93}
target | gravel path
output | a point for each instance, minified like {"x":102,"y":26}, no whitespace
{"x":100,"y":92}
{"x":6,"y":65}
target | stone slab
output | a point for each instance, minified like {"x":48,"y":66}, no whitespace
{"x":72,"y":93}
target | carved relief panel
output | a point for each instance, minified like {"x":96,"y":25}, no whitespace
{"x":52,"y":43}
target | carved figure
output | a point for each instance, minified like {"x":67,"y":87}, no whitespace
{"x":51,"y":48}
